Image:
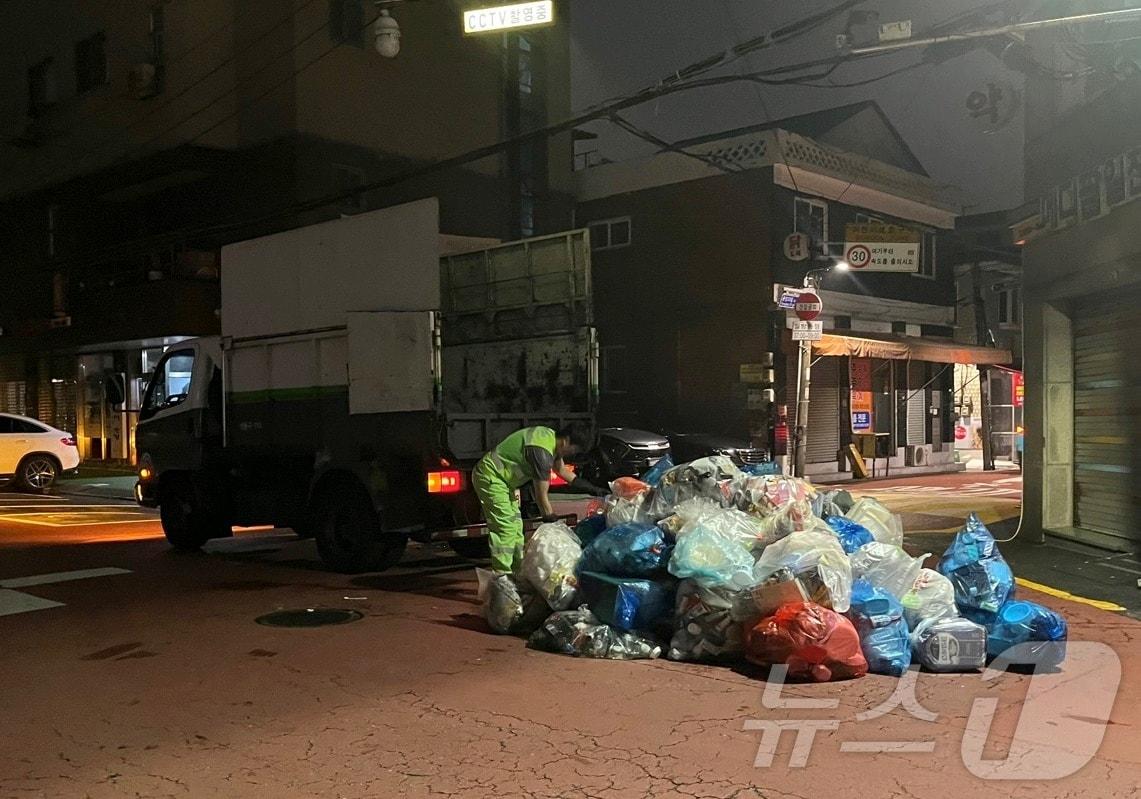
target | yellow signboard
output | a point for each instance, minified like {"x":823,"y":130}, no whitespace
{"x":501,"y":18}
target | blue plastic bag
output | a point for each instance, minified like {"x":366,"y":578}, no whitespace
{"x":628,"y":550}
{"x":982,"y":579}
{"x":884,"y":637}
{"x":590,"y":528}
{"x":758,"y":469}
{"x":1022,"y":622}
{"x":712,"y":559}
{"x":627,"y":603}
{"x":852,"y":535}
{"x":654,"y":475}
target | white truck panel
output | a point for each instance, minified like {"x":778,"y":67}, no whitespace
{"x":390,"y":362}
{"x":289,"y":363}
{"x":311,"y":277}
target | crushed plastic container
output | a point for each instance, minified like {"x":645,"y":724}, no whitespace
{"x":628,"y":603}
{"x":709,"y":623}
{"x":508,"y":607}
{"x":886,"y":526}
{"x":878,"y":618}
{"x":579,"y":633}
{"x":982,"y":579}
{"x":1043,"y":631}
{"x":950,"y":644}
{"x":816,"y":643}
{"x":654,"y":475}
{"x":628,"y":550}
{"x":886,"y":566}
{"x":550,"y":564}
{"x":852,"y":535}
{"x":713,"y":559}
{"x":817,"y":560}
{"x":931,"y":597}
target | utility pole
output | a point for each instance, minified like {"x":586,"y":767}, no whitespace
{"x":804,"y":380}
{"x":982,"y":335}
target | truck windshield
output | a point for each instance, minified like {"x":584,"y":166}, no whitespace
{"x":171,"y":382}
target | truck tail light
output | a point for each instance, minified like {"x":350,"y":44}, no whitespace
{"x":445,"y":482}
{"x":67,"y":442}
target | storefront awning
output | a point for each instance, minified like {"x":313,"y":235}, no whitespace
{"x":882,"y":345}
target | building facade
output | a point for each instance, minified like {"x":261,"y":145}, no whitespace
{"x":1082,"y":289}
{"x":142,"y":136}
{"x":689,"y":265}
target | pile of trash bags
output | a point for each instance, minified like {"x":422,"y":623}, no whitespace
{"x":705,"y":562}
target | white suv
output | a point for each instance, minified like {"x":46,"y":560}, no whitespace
{"x":32,"y":454}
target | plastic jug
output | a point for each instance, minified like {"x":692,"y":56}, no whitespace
{"x":950,"y":645}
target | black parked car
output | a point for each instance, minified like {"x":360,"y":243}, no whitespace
{"x":623,"y":451}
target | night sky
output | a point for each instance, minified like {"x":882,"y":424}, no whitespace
{"x":622,"y":46}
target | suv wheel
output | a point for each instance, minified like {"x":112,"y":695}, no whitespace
{"x":37,"y":473}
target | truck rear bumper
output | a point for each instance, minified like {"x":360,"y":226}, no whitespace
{"x":480,"y":530}
{"x":146,"y":494}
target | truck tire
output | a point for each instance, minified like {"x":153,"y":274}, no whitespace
{"x":188,"y":520}
{"x":349,"y":535}
{"x":471,"y":548}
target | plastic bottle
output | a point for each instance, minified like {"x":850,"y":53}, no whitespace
{"x":950,"y":645}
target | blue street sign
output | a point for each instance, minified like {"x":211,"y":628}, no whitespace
{"x":861,"y":420}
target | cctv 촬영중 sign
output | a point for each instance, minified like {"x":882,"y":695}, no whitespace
{"x":517,"y":15}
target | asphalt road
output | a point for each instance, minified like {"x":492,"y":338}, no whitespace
{"x":142,"y":672}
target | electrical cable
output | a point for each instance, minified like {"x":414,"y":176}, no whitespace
{"x":634,"y":130}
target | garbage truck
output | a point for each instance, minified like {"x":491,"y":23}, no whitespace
{"x":364,"y":365}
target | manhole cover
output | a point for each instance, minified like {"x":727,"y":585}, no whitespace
{"x":308,"y":617}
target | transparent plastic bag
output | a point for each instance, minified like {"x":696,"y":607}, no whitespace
{"x":654,"y":475}
{"x":931,"y":597}
{"x":762,"y":496}
{"x":1041,"y":629}
{"x":878,"y":618}
{"x":709,"y":623}
{"x":949,"y":644}
{"x":508,"y":607}
{"x":632,"y":510}
{"x":886,"y":566}
{"x":816,"y":643}
{"x":982,"y":579}
{"x":747,"y":530}
{"x":794,"y":517}
{"x":628,"y":487}
{"x":851,"y":535}
{"x":627,"y":603}
{"x":550,"y":563}
{"x":886,"y":526}
{"x":817,"y":560}
{"x":710,"y":478}
{"x":628,"y":550}
{"x":579,"y":633}
{"x":713,"y":559}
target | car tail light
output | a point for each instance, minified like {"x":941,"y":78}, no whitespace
{"x":556,"y":480}
{"x":67,"y":442}
{"x":445,"y":482}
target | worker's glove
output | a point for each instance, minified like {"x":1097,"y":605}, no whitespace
{"x":586,"y":487}
{"x":551,"y":517}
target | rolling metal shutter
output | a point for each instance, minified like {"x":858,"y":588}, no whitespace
{"x":1107,"y":414}
{"x":824,"y":412}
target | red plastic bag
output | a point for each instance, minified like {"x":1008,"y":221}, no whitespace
{"x":628,"y":487}
{"x":817,"y":643}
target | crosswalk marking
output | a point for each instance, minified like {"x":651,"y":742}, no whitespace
{"x":55,"y":511}
{"x":13,"y":602}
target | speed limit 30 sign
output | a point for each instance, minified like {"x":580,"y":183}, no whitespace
{"x":858,"y":256}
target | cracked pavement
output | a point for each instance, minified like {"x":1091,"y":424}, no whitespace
{"x":160,"y":684}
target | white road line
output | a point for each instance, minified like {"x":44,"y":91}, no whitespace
{"x":61,"y":577}
{"x":12,"y":602}
{"x":65,"y":505}
{"x":1115,"y":566}
{"x":19,"y":520}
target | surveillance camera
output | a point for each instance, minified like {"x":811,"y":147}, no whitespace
{"x":387,"y":32}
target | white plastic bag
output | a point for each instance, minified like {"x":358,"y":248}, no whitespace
{"x":932,"y":596}
{"x":813,"y":557}
{"x":624,"y":510}
{"x":794,"y":517}
{"x":741,"y":527}
{"x":550,"y":563}
{"x":886,"y":566}
{"x":886,"y":526}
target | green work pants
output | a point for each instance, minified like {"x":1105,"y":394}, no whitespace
{"x":504,"y":522}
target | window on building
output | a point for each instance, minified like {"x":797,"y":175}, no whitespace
{"x":927,"y":255}
{"x":42,"y":93}
{"x":868,"y":219}
{"x":347,"y":22}
{"x":158,"y":49}
{"x":614,"y":369}
{"x":91,"y":62}
{"x":1009,"y":312}
{"x":811,"y":217}
{"x":348,"y":179}
{"x":609,"y":234}
{"x":525,"y":74}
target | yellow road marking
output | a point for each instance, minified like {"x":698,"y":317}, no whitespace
{"x":1100,"y":604}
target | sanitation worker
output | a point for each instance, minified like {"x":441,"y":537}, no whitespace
{"x":526,"y":456}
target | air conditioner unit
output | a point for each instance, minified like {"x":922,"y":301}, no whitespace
{"x":142,"y":80}
{"x":917,"y":455}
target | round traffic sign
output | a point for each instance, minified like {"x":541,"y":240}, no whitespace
{"x":796,"y":246}
{"x":808,"y":306}
{"x":960,"y":433}
{"x":858,"y":256}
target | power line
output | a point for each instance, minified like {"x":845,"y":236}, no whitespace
{"x":634,"y":130}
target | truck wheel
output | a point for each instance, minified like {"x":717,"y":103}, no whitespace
{"x":471,"y":548}
{"x":348,"y":531}
{"x":187,"y":519}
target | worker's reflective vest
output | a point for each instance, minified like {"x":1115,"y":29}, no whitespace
{"x":508,"y":461}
